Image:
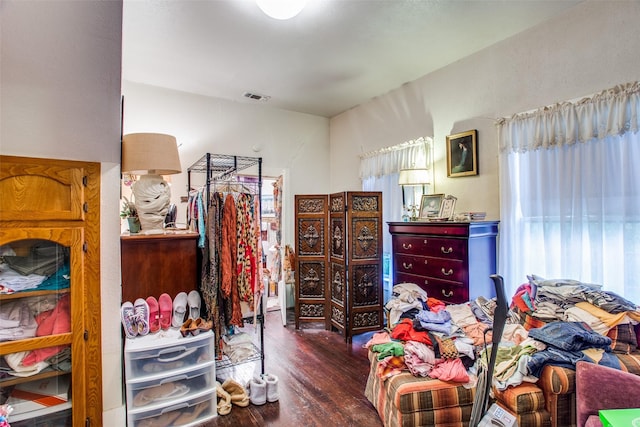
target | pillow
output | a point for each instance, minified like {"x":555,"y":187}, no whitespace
{"x":623,"y":338}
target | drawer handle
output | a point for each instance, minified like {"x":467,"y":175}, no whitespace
{"x":406,"y":246}
{"x":447,"y":273}
{"x":426,"y":282}
{"x":446,"y":251}
{"x":407,"y":266}
{"x":426,"y":261}
{"x":183,"y":353}
{"x":425,"y":242}
{"x":447,"y":294}
{"x":174,"y":379}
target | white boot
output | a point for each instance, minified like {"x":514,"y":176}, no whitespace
{"x":272,"y":387}
{"x":257,"y":391}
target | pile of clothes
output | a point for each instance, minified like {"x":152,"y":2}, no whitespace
{"x":448,"y":342}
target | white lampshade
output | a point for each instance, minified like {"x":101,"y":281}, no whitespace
{"x":281,"y":9}
{"x":414,"y":176}
{"x":150,"y":153}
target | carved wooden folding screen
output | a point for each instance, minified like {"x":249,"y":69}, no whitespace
{"x":353,"y":262}
{"x":311,"y":271}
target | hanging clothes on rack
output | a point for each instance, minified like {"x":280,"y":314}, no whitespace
{"x":196,"y":214}
{"x":232,"y":253}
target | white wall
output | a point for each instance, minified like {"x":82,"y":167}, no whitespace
{"x":593,"y":47}
{"x":288,"y":142}
{"x":60,"y":98}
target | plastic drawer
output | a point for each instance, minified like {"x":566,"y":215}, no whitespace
{"x":166,"y":352}
{"x":162,"y":388}
{"x":186,"y":413}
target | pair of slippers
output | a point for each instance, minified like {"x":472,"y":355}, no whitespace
{"x":159,"y":313}
{"x":183,"y":302}
{"x":230,"y":393}
{"x":263,"y":389}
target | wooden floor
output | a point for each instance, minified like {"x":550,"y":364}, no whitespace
{"x":321,"y":380}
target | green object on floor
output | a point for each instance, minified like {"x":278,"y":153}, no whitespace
{"x":620,"y":417}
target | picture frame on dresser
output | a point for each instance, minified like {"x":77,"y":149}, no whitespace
{"x":430,"y":205}
{"x":447,"y":207}
{"x":462,"y":154}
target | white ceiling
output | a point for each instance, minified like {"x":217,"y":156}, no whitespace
{"x":334,"y":55}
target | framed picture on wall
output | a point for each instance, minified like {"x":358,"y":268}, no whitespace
{"x":430,"y":205}
{"x":462,"y":154}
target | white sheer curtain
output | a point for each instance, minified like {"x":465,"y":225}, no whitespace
{"x":569,"y":188}
{"x":379,"y":172}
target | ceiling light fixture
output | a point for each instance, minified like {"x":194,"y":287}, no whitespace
{"x":281,"y":9}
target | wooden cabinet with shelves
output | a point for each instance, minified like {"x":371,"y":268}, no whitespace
{"x":452,"y":261}
{"x":50,"y":303}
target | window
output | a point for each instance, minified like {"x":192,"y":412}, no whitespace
{"x":570,"y":202}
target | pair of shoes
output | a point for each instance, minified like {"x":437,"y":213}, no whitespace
{"x":239,"y":396}
{"x":263,"y":389}
{"x":223,"y":399}
{"x":180,"y":303}
{"x":194,"y":327}
{"x":159,"y":313}
{"x":135,"y":318}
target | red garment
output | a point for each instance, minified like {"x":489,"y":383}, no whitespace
{"x":229,"y":246}
{"x":435,"y":304}
{"x":404,"y":331}
{"x":52,"y":322}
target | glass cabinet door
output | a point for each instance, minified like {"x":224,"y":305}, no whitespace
{"x":39,"y":326}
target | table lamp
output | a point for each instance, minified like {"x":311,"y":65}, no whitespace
{"x":413,"y":177}
{"x":150,"y":155}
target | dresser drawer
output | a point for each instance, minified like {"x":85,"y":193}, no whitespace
{"x":190,"y":412}
{"x":442,"y":268}
{"x":449,"y":292}
{"x":430,"y":246}
{"x":166,"y":353}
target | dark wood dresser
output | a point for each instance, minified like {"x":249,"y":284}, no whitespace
{"x":452,"y":261}
{"x":157,"y":263}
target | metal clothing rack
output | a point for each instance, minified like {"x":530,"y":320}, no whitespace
{"x":222,"y":170}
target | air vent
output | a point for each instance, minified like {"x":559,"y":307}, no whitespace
{"x":256,"y":97}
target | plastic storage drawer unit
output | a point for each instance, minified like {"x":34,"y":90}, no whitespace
{"x":170,"y":379}
{"x":166,"y":352}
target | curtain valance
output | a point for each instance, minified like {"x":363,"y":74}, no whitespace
{"x":410,"y":154}
{"x":611,"y":112}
